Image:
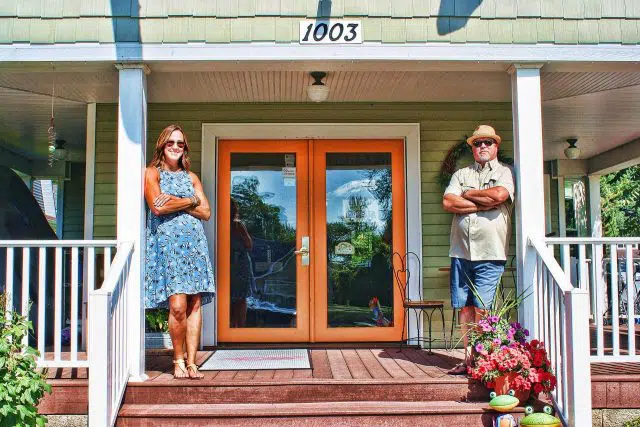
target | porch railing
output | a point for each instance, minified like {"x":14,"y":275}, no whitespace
{"x":562,"y":317}
{"x":608,"y":268}
{"x":109,"y":364}
{"x":46,"y":280}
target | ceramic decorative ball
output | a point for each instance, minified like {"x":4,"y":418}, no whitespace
{"x":540,"y":419}
{"x":504,"y":402}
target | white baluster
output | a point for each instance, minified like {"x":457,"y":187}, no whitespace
{"x":57,"y":306}
{"x":615,"y":304}
{"x":8,"y":293}
{"x":74,"y":303}
{"x":25,"y":291}
{"x":42,"y":299}
{"x":631,"y":298}
{"x":597,"y":292}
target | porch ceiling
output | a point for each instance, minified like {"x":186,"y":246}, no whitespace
{"x":596,"y":107}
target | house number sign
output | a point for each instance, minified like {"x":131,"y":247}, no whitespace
{"x":330,"y":32}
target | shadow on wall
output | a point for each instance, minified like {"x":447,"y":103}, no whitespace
{"x":461,"y":9}
{"x":126,"y":29}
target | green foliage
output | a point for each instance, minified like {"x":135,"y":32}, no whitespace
{"x":22,"y":385}
{"x":633,"y":423}
{"x":620,"y":193}
{"x":157,"y":320}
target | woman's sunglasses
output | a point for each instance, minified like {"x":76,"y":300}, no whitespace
{"x":180,"y":144}
{"x":487,"y":142}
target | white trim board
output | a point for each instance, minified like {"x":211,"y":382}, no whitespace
{"x":269,"y":51}
{"x":409,"y":132}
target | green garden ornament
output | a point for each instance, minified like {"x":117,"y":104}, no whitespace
{"x":540,"y":419}
{"x":504,"y":402}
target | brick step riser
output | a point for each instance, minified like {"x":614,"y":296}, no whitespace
{"x":305,"y":393}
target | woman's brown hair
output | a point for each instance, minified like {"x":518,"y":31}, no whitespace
{"x":158,"y":155}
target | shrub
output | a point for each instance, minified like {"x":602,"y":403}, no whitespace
{"x":22,"y":385}
{"x":633,"y":423}
{"x":157,"y":320}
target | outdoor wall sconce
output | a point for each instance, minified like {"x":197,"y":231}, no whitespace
{"x":60,"y":153}
{"x":572,"y":152}
{"x":318,"y":91}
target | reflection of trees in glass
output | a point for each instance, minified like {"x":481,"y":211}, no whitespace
{"x":356,"y":278}
{"x":381,"y":189}
{"x":262,"y":219}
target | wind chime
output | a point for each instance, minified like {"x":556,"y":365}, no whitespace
{"x":51,"y":132}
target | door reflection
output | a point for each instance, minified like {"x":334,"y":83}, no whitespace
{"x":359,"y":240}
{"x":263,"y":237}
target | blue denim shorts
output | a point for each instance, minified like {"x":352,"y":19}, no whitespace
{"x":483,"y":276}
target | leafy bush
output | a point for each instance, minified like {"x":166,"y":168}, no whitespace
{"x":633,"y":423}
{"x":22,"y":385}
{"x":157,"y":320}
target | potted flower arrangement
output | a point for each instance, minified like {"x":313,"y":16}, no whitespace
{"x":503,"y":359}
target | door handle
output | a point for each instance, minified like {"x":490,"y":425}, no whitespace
{"x":304,"y":250}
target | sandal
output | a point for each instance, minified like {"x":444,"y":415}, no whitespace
{"x":179,"y":369}
{"x":197,"y":375}
{"x":459,"y":369}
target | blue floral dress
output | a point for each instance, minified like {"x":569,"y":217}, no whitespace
{"x":177,"y":258}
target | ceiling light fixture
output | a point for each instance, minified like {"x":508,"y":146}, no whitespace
{"x":572,"y":152}
{"x":318,"y":91}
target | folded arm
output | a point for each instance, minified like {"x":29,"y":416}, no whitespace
{"x":490,"y":197}
{"x":202,"y":211}
{"x":158,"y":202}
{"x":460,"y":205}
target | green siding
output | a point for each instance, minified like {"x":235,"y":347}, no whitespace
{"x":73,"y":213}
{"x":442,"y":126}
{"x":399,"y":21}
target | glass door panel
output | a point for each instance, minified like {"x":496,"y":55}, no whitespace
{"x":359,"y":240}
{"x":358,"y":225}
{"x":263,"y":286}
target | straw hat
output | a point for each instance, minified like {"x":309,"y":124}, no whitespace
{"x":484,"y":132}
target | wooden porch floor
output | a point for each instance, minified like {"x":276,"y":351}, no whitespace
{"x":338,"y":364}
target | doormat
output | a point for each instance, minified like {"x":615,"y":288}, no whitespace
{"x":241,"y":360}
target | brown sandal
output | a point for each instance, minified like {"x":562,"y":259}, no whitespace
{"x":197,"y":375}
{"x":459,"y":369}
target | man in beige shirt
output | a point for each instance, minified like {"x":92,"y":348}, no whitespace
{"x":481,"y":196}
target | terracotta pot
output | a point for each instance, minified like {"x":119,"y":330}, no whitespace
{"x":504,"y":383}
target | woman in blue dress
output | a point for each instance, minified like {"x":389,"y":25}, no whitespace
{"x":178,"y":272}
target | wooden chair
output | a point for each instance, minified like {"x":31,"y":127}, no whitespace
{"x":403,"y":266}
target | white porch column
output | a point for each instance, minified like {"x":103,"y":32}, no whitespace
{"x":529,"y":171}
{"x":132,"y":137}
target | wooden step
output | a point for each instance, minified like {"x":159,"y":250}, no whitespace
{"x":298,"y":391}
{"x":378,"y":413}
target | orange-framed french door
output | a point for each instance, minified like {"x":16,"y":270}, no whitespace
{"x":322,"y":219}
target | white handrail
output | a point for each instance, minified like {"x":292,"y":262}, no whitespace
{"x":40,"y":272}
{"x":108,"y":362}
{"x":563,"y":326}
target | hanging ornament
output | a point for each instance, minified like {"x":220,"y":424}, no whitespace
{"x":51,"y":132}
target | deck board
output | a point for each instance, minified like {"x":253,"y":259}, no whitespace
{"x":355,"y":365}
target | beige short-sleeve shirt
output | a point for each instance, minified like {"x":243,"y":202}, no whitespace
{"x":482,"y":236}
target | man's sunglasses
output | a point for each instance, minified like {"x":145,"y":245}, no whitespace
{"x":487,"y":142}
{"x":180,"y":144}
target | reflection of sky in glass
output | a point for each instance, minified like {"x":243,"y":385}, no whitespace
{"x":342,"y":184}
{"x":271,"y":181}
